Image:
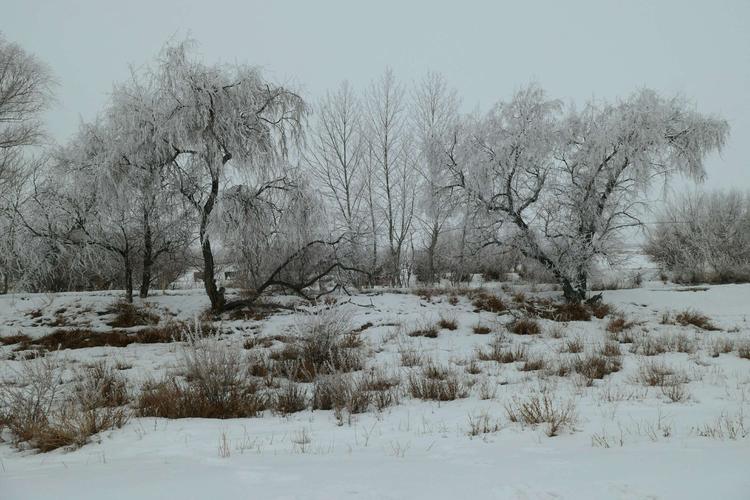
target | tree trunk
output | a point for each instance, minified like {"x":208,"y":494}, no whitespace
{"x":147,"y":257}
{"x":431,"y":254}
{"x":215,"y":295}
{"x":5,"y":283}
{"x":128,"y":278}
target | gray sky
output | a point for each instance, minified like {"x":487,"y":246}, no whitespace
{"x":574,"y":49}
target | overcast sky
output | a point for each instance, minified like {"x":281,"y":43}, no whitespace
{"x":574,"y":49}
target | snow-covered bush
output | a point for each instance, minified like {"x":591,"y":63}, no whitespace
{"x":704,"y":237}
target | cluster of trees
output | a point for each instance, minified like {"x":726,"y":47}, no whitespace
{"x":192,"y":162}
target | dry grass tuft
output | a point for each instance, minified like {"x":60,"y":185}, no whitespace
{"x":574,"y":345}
{"x":427,"y":331}
{"x":448,"y":323}
{"x":436,"y":383}
{"x":610,"y":348}
{"x":619,"y":324}
{"x":533,"y":364}
{"x":542,"y":408}
{"x":411,"y":357}
{"x":689,"y":317}
{"x":656,"y":373}
{"x":721,"y":345}
{"x":596,"y":367}
{"x":291,"y":398}
{"x":499,"y":352}
{"x":567,"y":311}
{"x":484,"y":301}
{"x":481,"y":329}
{"x":525,"y":326}
{"x":481,"y":423}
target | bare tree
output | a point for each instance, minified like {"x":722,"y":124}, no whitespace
{"x":392,"y":165}
{"x":435,"y":115}
{"x":335,"y":157}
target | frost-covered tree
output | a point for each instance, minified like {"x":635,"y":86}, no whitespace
{"x":335,"y":157}
{"x":25,"y":92}
{"x":504,"y":161}
{"x":391,"y":166}
{"x":435,"y":116}
{"x":220,"y":117}
{"x":561,"y":188}
{"x":140,"y":160}
{"x":74,"y":207}
{"x":611,"y":157}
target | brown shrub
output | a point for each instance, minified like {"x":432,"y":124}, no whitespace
{"x":473,"y":368}
{"x":480,"y":329}
{"x":488,"y":302}
{"x":525,"y":326}
{"x":743,"y":350}
{"x":568,"y":311}
{"x":696,"y":319}
{"x":170,"y":398}
{"x":15,"y":339}
{"x":410,"y":357}
{"x":256,"y":341}
{"x":325,"y":344}
{"x":600,"y":309}
{"x":721,"y":346}
{"x":618,"y":324}
{"x":40,"y":413}
{"x":595,"y":366}
{"x":292,"y":398}
{"x":341,"y":392}
{"x":81,"y":338}
{"x":128,"y":315}
{"x":100,"y":386}
{"x":448,"y":323}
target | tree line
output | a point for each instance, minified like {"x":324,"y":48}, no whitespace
{"x":198,"y":164}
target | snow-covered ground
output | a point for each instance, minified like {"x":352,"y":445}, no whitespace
{"x":629,"y":440}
